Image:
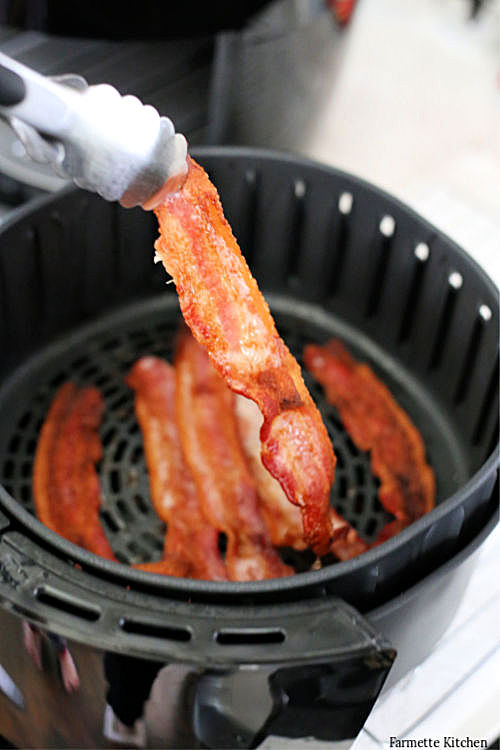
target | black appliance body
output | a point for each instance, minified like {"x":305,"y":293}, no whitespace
{"x":82,"y":299}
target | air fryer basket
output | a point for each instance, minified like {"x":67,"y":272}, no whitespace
{"x":81,"y":299}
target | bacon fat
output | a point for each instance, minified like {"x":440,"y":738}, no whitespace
{"x":221,"y":303}
{"x":377,"y":424}
{"x":191,"y":542}
{"x":65,"y":483}
{"x":214,"y":454}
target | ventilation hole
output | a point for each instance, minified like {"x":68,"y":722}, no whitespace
{"x":108,"y":436}
{"x":359,"y":503}
{"x":334,"y":418}
{"x":8,"y":488}
{"x":370,"y":527}
{"x":387,"y":226}
{"x":382,"y":255}
{"x":445,"y":321}
{"x":31,"y":446}
{"x":25,"y":493}
{"x":133,"y":429}
{"x":80,"y":362}
{"x":340,"y":460}
{"x":486,"y":406}
{"x":119,"y":402}
{"x":25,"y":420}
{"x":68,"y":604}
{"x":422,"y":252}
{"x":455,"y":280}
{"x":342,"y":486}
{"x":150,"y":630}
{"x":296,"y":230}
{"x":262,"y":637}
{"x":26,"y":469}
{"x":58,"y":380}
{"x":137,"y":455}
{"x":8,"y":469}
{"x":469,"y":361}
{"x":124,"y":511}
{"x":248,"y":214}
{"x":110,"y":391}
{"x":299,"y":188}
{"x":132,"y":547}
{"x":142,"y":504}
{"x":121,"y":557}
{"x":101,"y":381}
{"x":485,"y":313}
{"x":359,"y":473}
{"x":222,"y":543}
{"x":115,"y":480}
{"x":14,"y":443}
{"x":336,"y":250}
{"x":345,"y":203}
{"x":109,"y":521}
{"x":120,"y":450}
{"x":350,"y":446}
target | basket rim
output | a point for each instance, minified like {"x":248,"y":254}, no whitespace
{"x":164,"y":584}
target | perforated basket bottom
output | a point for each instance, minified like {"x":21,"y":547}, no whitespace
{"x":102,"y":354}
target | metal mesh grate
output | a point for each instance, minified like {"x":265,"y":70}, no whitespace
{"x":135,"y":532}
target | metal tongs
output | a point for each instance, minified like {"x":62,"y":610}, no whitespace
{"x":109,"y":144}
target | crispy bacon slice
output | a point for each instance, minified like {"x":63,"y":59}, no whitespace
{"x":377,"y":424}
{"x":283,"y":520}
{"x":65,"y":483}
{"x":191,"y":543}
{"x":213,"y":451}
{"x":221,"y":303}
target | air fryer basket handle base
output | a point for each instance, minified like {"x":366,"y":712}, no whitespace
{"x":328,"y":699}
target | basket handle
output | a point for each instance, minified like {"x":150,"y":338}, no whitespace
{"x":327,"y":695}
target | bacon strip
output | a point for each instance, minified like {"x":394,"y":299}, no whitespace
{"x":283,"y":520}
{"x":377,"y":424}
{"x":213,"y":451}
{"x":191,"y":543}
{"x":65,"y":483}
{"x":221,"y":303}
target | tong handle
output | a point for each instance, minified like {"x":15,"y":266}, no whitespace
{"x":45,"y":105}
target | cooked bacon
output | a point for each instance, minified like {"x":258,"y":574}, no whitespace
{"x":214,"y":454}
{"x":283,"y":520}
{"x":350,"y":545}
{"x":389,"y":530}
{"x":377,"y":424}
{"x":191,"y":543}
{"x":65,"y":483}
{"x":228,"y":315}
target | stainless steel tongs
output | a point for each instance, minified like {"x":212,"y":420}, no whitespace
{"x":109,"y":144}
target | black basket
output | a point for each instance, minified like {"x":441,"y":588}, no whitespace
{"x":82,"y":299}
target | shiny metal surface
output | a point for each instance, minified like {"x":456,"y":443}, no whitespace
{"x":109,"y":144}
